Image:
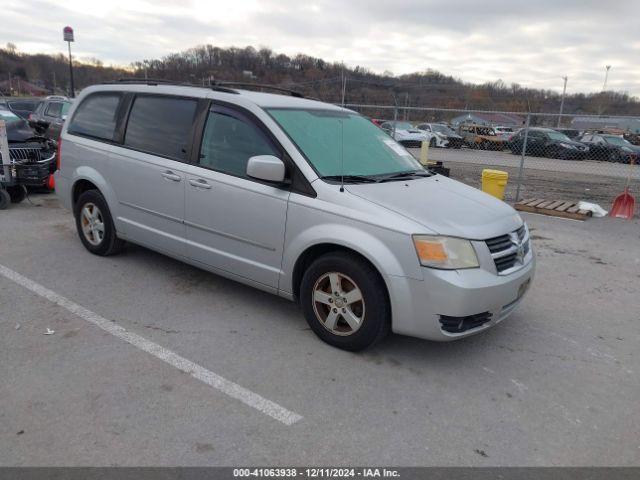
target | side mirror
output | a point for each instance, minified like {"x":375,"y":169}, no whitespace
{"x":64,"y":117}
{"x":267,"y":168}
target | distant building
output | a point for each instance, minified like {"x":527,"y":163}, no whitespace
{"x":625,"y":124}
{"x":489,"y":119}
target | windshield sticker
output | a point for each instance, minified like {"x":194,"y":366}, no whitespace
{"x":396,"y":147}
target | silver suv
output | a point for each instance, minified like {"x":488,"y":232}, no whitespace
{"x":299,"y":198}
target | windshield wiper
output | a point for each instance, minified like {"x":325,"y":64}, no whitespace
{"x":405,"y":175}
{"x":351,"y":178}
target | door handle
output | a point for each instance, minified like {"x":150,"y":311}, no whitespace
{"x":200,"y":183}
{"x":169,"y":175}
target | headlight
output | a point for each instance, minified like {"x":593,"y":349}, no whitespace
{"x":447,"y":253}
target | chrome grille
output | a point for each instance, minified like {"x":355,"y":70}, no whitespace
{"x":509,"y":251}
{"x":25,"y":154}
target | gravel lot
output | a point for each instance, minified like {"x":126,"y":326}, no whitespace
{"x":556,"y":384}
{"x":547,"y":178}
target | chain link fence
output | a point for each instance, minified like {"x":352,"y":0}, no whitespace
{"x":547,"y":156}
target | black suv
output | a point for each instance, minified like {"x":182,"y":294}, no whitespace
{"x":546,"y":142}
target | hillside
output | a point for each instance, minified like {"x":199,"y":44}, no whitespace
{"x":314,"y":77}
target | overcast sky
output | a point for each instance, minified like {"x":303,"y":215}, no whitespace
{"x":531,"y":42}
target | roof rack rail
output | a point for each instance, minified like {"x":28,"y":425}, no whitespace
{"x":161,"y":81}
{"x":262,"y":86}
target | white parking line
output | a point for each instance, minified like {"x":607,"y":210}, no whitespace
{"x":206,"y":376}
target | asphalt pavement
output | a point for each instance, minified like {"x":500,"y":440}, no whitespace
{"x":556,"y":384}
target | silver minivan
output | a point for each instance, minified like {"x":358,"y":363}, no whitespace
{"x":303,"y":199}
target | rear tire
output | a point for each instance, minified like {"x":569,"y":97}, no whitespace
{"x":432,"y":142}
{"x":345,"y":301}
{"x":95,"y":224}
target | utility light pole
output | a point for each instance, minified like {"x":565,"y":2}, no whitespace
{"x":564,"y":91}
{"x":606,"y":77}
{"x":67,"y":35}
{"x":344,"y":84}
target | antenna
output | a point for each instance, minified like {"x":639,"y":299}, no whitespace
{"x":341,"y":155}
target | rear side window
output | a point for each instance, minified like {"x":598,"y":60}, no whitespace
{"x":161,"y":125}
{"x":230,"y":140}
{"x":54,"y":109}
{"x":96,"y":116}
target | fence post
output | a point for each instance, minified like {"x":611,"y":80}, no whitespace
{"x":522,"y":155}
{"x":395,"y":119}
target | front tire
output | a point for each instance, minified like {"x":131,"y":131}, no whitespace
{"x":5,"y":199}
{"x":95,"y":225}
{"x":345,"y":301}
{"x":17,"y":193}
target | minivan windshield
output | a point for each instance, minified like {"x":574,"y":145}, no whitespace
{"x":340,"y":143}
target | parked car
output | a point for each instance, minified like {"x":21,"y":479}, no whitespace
{"x":443,"y":135}
{"x":32,"y":156}
{"x":50,"y":115}
{"x":406,"y":134}
{"x":503,"y":132}
{"x":296,"y":197}
{"x":478,"y":136}
{"x":545,"y":142}
{"x":21,"y":106}
{"x":610,"y":148}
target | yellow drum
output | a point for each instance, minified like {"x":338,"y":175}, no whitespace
{"x":494,"y":182}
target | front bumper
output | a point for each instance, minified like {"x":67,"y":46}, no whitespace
{"x":418,"y":305}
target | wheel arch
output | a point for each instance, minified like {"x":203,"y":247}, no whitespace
{"x":313,"y":252}
{"x":88,"y":178}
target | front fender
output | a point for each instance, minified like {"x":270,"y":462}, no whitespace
{"x":391,"y":253}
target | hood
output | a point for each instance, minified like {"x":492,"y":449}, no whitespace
{"x":443,"y":206}
{"x":19,"y":131}
{"x":411,"y":134}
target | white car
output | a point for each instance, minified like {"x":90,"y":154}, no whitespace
{"x":406,"y":134}
{"x":504,"y":132}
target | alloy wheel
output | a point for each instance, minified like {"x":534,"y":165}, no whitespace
{"x":92,"y":224}
{"x":338,"y":303}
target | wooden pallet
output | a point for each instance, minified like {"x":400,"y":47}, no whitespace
{"x":556,"y":208}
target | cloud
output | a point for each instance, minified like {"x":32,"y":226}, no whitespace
{"x":531,"y":43}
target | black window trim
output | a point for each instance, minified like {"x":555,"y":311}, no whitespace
{"x":295,"y":181}
{"x":126,"y":115}
{"x":93,"y":137}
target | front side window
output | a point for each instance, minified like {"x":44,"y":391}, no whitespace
{"x":96,"y":116}
{"x":230,"y":140}
{"x":161,"y":125}
{"x":338,"y":143}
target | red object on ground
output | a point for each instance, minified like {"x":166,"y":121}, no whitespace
{"x":51,"y":183}
{"x":623,"y":206}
